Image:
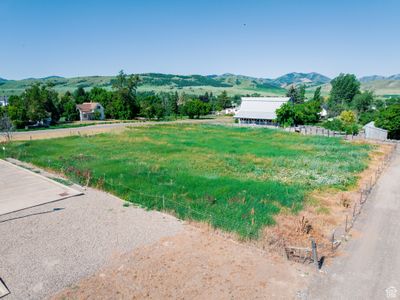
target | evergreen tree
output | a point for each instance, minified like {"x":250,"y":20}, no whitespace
{"x":80,"y":95}
{"x":317,"y":94}
{"x":293,"y":93}
{"x":124,"y":105}
{"x":301,"y":94}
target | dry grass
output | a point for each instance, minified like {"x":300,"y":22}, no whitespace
{"x":323,"y":212}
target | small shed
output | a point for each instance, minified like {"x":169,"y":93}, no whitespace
{"x":90,"y":111}
{"x":375,"y":133}
{"x":259,"y":110}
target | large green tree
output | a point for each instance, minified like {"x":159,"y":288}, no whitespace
{"x":362,"y":102}
{"x":151,"y":106}
{"x":389,"y":119}
{"x":67,"y":107}
{"x":196,"y":108}
{"x":80,"y":95}
{"x":124,"y":105}
{"x":344,"y":88}
{"x":297,"y":94}
{"x":317,"y":94}
{"x":102,"y":96}
{"x":299,"y":114}
{"x":223,"y":101}
{"x":38,"y":103}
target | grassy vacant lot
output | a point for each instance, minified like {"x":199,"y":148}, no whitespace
{"x":235,"y":178}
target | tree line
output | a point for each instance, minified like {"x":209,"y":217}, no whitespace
{"x":40,"y":103}
{"x":347,"y":108}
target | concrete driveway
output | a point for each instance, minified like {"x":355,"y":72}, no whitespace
{"x":21,"y":188}
{"x":49,"y":247}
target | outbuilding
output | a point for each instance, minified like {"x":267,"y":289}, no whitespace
{"x":259,"y":110}
{"x":375,"y":133}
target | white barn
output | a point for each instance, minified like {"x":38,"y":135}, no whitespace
{"x":259,"y":110}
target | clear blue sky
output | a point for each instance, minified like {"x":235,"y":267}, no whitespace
{"x":264,"y":38}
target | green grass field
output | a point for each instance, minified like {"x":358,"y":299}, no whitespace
{"x":235,"y":178}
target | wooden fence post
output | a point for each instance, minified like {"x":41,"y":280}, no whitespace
{"x":314,"y":253}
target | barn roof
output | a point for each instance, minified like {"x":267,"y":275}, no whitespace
{"x":260,"y":107}
{"x":87,"y":107}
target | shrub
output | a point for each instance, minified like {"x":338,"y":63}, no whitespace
{"x":348,"y":117}
{"x":338,"y":125}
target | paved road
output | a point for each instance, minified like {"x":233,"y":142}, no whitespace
{"x":370,"y":266}
{"x":50,"y":247}
{"x":33,"y":189}
{"x":101,"y":128}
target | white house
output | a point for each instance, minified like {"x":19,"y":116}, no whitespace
{"x":90,"y":111}
{"x":229,"y":111}
{"x":375,"y":133}
{"x":323,"y":113}
{"x":259,"y":110}
{"x":3,"y":100}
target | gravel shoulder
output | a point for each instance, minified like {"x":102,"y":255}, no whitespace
{"x":195,"y":264}
{"x":370,"y":266}
{"x":49,"y":247}
{"x":92,"y":247}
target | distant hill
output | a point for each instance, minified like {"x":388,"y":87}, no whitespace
{"x":383,"y":87}
{"x":371,"y":78}
{"x":379,"y":77}
{"x":199,"y":84}
{"x":190,"y":84}
{"x":308,"y":79}
{"x":394,"y":77}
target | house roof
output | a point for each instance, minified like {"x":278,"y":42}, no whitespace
{"x":87,"y":107}
{"x":260,"y":107}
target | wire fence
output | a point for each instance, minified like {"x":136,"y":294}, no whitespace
{"x":315,"y":130}
{"x":246,"y":227}
{"x":340,"y":233}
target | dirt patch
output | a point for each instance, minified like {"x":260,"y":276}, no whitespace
{"x":196,"y":264}
{"x":323,"y":213}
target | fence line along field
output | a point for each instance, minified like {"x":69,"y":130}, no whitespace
{"x":235,"y":178}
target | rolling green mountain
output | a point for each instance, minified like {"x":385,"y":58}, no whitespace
{"x":309,"y":79}
{"x":191,"y":84}
{"x":386,"y":87}
{"x":199,"y":84}
{"x":371,"y":78}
